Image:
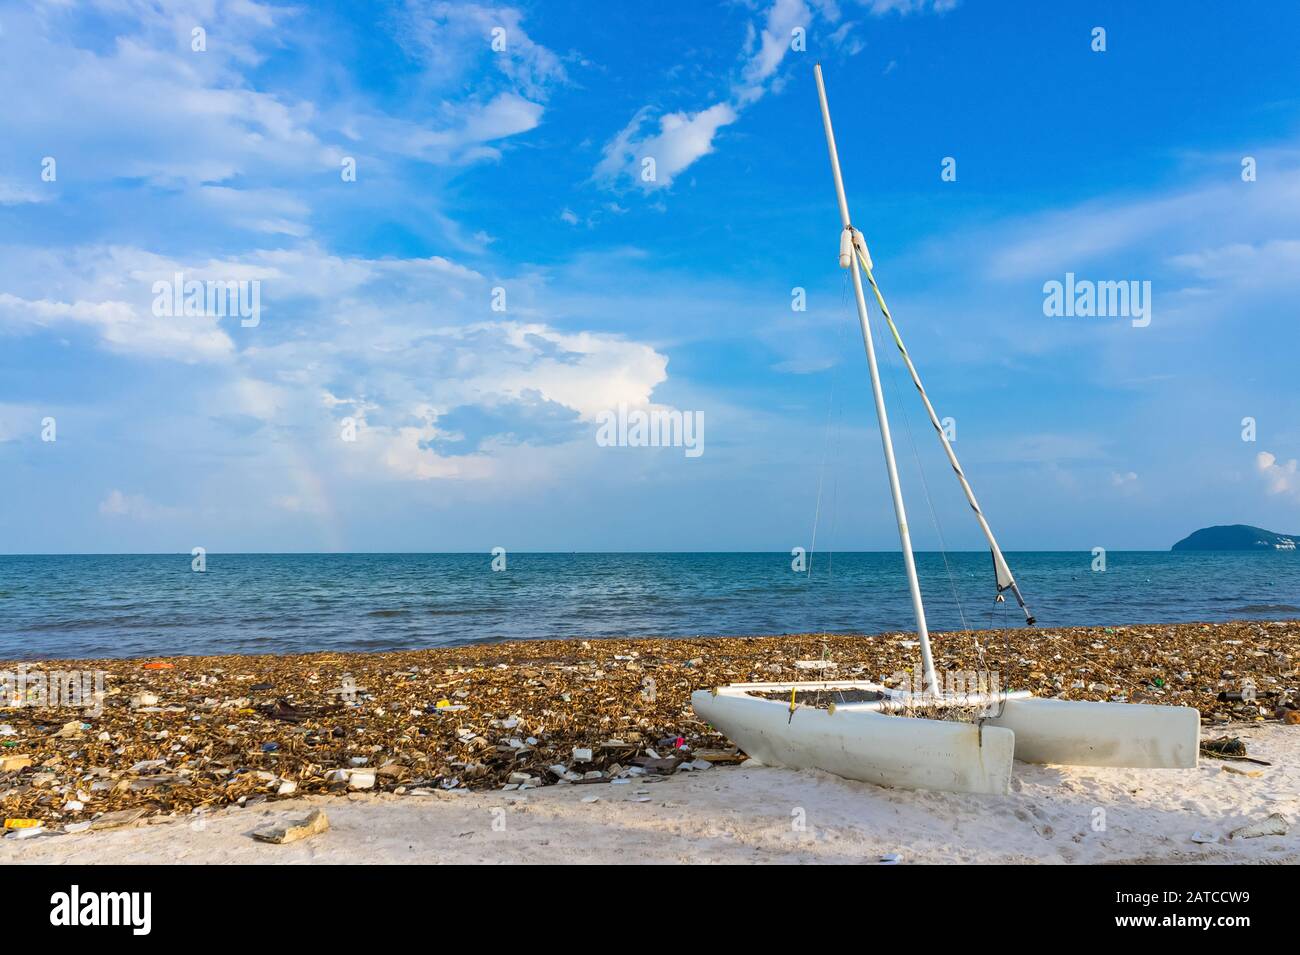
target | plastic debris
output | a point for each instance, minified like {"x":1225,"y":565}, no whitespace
{"x":118,"y":819}
{"x":168,"y":741}
{"x":1272,"y":825}
{"x":1252,"y":773}
{"x":316,"y":823}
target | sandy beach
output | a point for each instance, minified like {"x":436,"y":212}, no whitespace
{"x":744,"y":815}
{"x":564,"y":744}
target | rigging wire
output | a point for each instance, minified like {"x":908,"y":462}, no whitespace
{"x":934,"y":518}
{"x":925,"y":486}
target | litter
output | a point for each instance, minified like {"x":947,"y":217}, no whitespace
{"x":1252,"y":773}
{"x":1229,"y":747}
{"x":323,"y":711}
{"x":1273,"y":825}
{"x":314,"y":824}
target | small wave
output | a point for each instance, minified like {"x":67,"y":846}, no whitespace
{"x":1266,"y":608}
{"x":387,"y":613}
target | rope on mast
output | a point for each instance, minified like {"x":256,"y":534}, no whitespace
{"x":1003,"y":579}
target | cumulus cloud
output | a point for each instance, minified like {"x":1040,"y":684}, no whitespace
{"x":403,"y":347}
{"x":1279,"y":477}
{"x":122,"y":327}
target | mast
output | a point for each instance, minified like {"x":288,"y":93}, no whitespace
{"x":848,"y":259}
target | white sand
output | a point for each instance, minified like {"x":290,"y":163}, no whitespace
{"x":748,"y":815}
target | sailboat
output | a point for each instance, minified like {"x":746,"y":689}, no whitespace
{"x":867,"y":731}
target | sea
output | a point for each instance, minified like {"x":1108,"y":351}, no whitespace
{"x":70,"y":606}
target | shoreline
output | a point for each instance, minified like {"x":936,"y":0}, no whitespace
{"x":740,"y":815}
{"x":1009,"y":633}
{"x":187,"y":735}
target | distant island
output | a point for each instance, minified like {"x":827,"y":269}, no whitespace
{"x":1236,"y":537}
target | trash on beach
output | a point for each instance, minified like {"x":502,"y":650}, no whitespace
{"x":890,"y":858}
{"x":1228,"y":747}
{"x":721,"y":757}
{"x":1204,"y":838}
{"x":1272,"y":825}
{"x":71,"y":729}
{"x":22,"y":823}
{"x":1252,"y":773}
{"x":118,"y":819}
{"x":316,"y":823}
{"x":193,"y":736}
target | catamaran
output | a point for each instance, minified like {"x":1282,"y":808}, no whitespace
{"x":871,"y":732}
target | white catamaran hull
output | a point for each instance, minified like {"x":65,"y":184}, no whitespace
{"x":864,"y":744}
{"x":1078,"y":733}
{"x":857,"y":741}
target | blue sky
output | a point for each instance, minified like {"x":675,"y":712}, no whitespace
{"x":518,"y":169}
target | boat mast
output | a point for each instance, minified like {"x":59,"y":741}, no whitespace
{"x":848,"y":244}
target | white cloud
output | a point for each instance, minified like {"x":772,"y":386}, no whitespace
{"x":1280,"y":478}
{"x":879,"y":8}
{"x":1237,"y":213}
{"x":460,"y":133}
{"x":396,"y":344}
{"x":682,"y":138}
{"x":1258,"y":264}
{"x":448,"y":39}
{"x":133,"y":506}
{"x":122,"y":328}
{"x":15,"y":193}
{"x":19,"y":421}
{"x":774,"y":42}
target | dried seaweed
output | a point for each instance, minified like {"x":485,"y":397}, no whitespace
{"x":207,"y":732}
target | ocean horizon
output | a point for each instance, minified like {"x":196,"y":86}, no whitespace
{"x":123,"y":605}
